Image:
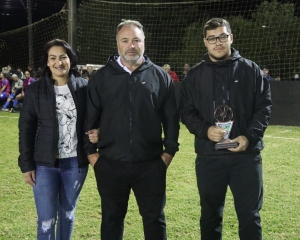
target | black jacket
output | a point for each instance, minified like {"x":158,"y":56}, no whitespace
{"x":249,"y":97}
{"x":131,"y":110}
{"x":38,"y":126}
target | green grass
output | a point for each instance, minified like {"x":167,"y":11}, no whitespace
{"x":280,"y":213}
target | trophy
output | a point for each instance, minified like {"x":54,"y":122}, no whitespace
{"x":224,"y":115}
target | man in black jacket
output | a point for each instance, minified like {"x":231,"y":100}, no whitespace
{"x":132,"y":100}
{"x":227,"y":91}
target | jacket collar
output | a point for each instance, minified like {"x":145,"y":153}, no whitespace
{"x":72,"y":81}
{"x":234,"y":57}
{"x":117,"y":69}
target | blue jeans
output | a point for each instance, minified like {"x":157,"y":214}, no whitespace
{"x":56,"y":192}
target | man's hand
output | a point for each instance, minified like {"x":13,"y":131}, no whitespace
{"x":243,"y":144}
{"x":215,"y":133}
{"x":93,"y":135}
{"x":93,"y":158}
{"x":29,"y":177}
{"x":167,"y":158}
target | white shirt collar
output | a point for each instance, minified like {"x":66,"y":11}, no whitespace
{"x":124,"y":67}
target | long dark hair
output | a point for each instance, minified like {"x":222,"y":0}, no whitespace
{"x":71,"y":54}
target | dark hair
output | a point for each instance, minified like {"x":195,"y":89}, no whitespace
{"x":215,"y":23}
{"x":129,"y":23}
{"x":71,"y":54}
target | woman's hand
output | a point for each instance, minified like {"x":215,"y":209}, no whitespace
{"x":29,"y":177}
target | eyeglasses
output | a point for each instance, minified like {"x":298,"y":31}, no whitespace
{"x":223,"y":38}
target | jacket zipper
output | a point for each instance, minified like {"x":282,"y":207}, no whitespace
{"x":72,"y":90}
{"x":130,"y":111}
{"x":55,"y":125}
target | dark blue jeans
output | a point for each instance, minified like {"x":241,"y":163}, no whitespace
{"x":56,"y":192}
{"x":243,"y":174}
{"x":115,"y":179}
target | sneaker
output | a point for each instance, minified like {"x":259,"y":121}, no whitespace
{"x":14,"y":111}
{"x":4,"y":110}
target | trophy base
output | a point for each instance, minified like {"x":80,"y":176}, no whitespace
{"x":225,"y":144}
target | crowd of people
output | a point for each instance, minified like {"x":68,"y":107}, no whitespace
{"x":13,"y":85}
{"x":174,"y":75}
{"x":265,"y":70}
{"x":267,"y":75}
{"x":11,"y":93}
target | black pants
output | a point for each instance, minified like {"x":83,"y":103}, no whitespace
{"x":147,"y":179}
{"x":243,"y":174}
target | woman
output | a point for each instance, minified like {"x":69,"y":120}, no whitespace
{"x":50,"y":140}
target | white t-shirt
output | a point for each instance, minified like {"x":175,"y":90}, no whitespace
{"x":67,"y":117}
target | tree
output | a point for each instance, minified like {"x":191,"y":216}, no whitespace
{"x":270,"y":38}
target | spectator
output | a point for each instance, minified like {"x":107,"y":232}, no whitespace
{"x":20,"y":73}
{"x":235,"y":86}
{"x":267,"y":75}
{"x":81,"y":71}
{"x":15,"y":90}
{"x":171,"y":73}
{"x":27,"y":81}
{"x":89,"y":73}
{"x":31,"y":70}
{"x":39,"y":73}
{"x":52,"y":158}
{"x":133,"y":102}
{"x":186,"y":68}
{"x":4,"y":87}
{"x":11,"y":71}
{"x":296,"y":77}
{"x":277,"y":78}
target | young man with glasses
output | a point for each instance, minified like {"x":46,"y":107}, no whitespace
{"x":226,"y":97}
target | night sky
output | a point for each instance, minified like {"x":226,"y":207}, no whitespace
{"x":13,"y":13}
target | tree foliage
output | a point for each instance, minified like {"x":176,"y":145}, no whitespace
{"x":270,"y":38}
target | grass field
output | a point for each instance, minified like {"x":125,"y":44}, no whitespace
{"x":280,"y":213}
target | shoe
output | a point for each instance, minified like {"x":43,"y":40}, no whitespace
{"x":14,"y":111}
{"x":11,"y":110}
{"x":4,"y":110}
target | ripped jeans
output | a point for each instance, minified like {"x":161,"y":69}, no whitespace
{"x":56,"y":192}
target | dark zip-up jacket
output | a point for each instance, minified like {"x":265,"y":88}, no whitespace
{"x":38,"y":124}
{"x":131,"y":111}
{"x":240,"y":83}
